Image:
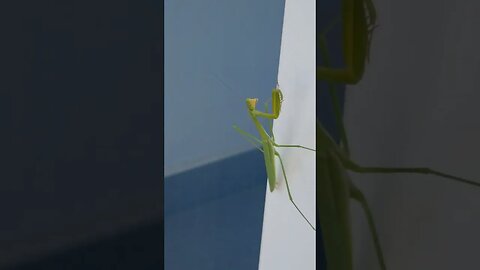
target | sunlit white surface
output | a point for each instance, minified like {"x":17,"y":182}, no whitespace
{"x":288,"y":242}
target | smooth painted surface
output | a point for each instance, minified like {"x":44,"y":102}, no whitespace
{"x":217,"y":53}
{"x":214,"y":214}
{"x":288,"y":242}
{"x":417,"y":105}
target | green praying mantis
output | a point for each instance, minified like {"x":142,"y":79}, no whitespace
{"x":359,"y":20}
{"x":268,"y":143}
{"x":334,"y":187}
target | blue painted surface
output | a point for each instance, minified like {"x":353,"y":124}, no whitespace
{"x":217,"y":53}
{"x":214,"y":215}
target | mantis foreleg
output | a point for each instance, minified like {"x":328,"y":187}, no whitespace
{"x":333,"y":95}
{"x":358,"y":22}
{"x":270,"y":125}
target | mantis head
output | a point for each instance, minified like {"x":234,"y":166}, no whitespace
{"x":277,"y":98}
{"x":251,"y":103}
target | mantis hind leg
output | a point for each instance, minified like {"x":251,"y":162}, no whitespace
{"x":357,"y":195}
{"x":289,"y":193}
{"x":288,"y":145}
{"x":352,"y":166}
{"x":293,"y":146}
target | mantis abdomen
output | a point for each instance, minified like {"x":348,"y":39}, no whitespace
{"x":269,"y":156}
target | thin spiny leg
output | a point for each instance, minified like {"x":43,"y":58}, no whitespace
{"x":357,"y":195}
{"x":350,"y":165}
{"x":293,"y":145}
{"x":346,"y":75}
{"x":249,"y":137}
{"x":288,"y":190}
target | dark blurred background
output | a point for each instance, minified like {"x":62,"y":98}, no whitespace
{"x":417,"y":106}
{"x":81,"y":108}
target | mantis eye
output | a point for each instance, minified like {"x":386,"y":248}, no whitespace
{"x":252,"y":103}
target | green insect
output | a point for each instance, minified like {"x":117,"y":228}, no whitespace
{"x":359,"y":20}
{"x":267,"y":141}
{"x":334,"y":191}
{"x":334,"y":187}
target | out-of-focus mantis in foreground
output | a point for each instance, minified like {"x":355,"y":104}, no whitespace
{"x":334,"y":187}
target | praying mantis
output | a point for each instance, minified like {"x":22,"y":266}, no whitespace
{"x":268,"y":143}
{"x":334,"y":187}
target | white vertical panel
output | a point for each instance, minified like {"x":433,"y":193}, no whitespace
{"x":288,"y":242}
